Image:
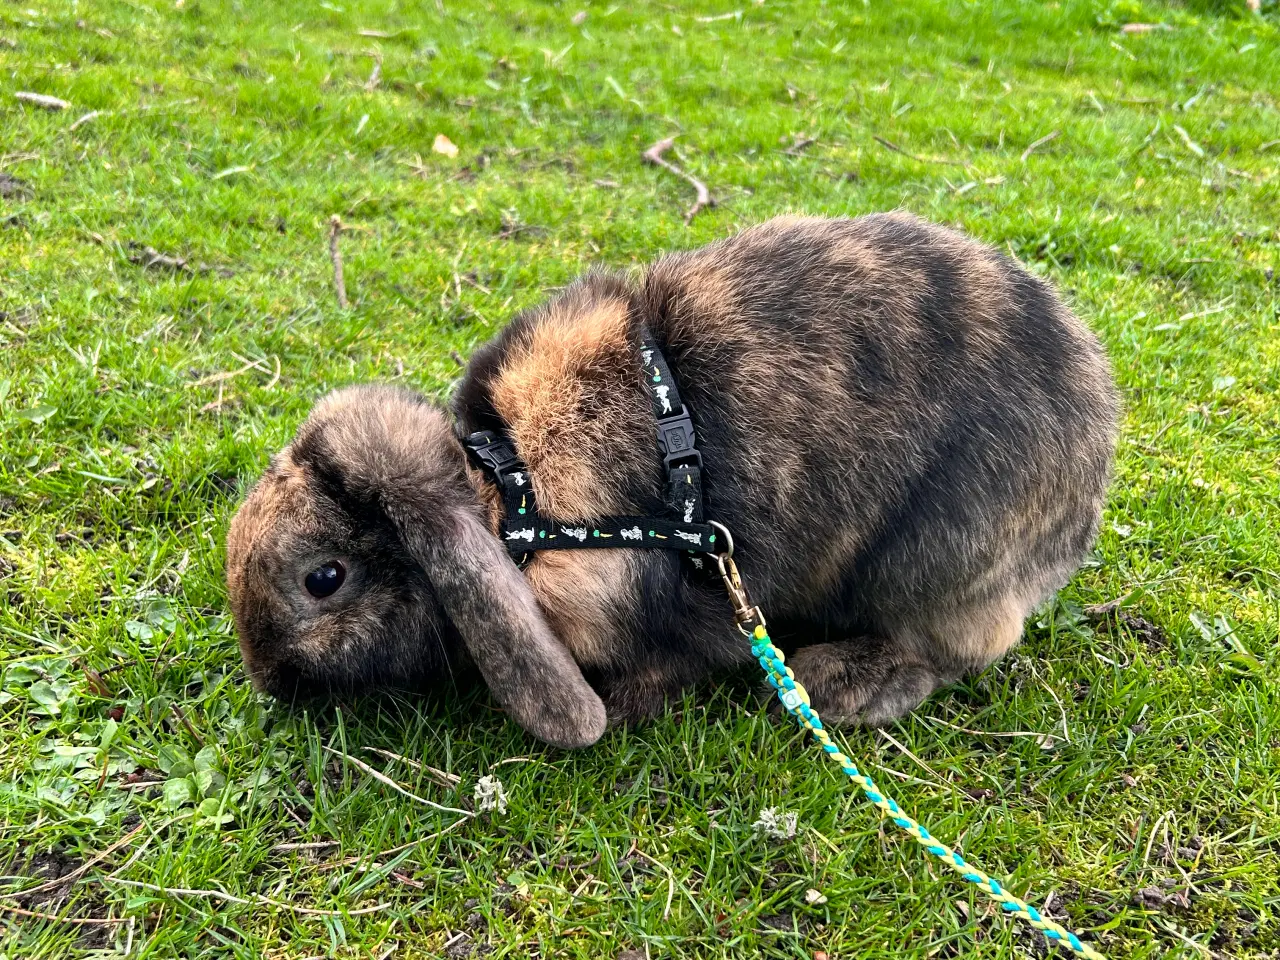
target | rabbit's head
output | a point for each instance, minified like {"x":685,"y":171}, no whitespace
{"x":361,"y":558}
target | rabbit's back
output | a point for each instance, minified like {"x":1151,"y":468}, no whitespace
{"x":908,"y":435}
{"x":892,"y":414}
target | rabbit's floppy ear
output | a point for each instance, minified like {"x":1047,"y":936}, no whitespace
{"x":489,"y":601}
{"x":397,"y":449}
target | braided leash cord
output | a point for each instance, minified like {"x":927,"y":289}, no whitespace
{"x":796,"y":701}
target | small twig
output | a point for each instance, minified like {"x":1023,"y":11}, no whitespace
{"x":443,"y":777}
{"x":654,"y":156}
{"x":335,"y":254}
{"x":1200,"y":947}
{"x":6,"y":159}
{"x":890,"y":145}
{"x":145,"y":108}
{"x":1109,"y":608}
{"x":801,"y":144}
{"x":311,"y":845}
{"x":502,"y":763}
{"x":255,"y":901}
{"x":142,"y":848}
{"x":91,"y":115}
{"x":937,"y":776}
{"x":1042,"y":737}
{"x":1188,"y":142}
{"x":376,"y":76}
{"x":79,"y":872}
{"x":78,"y":921}
{"x":383,"y":778}
{"x":143,"y":784}
{"x":1040,"y":143}
{"x":42,"y":101}
{"x":182,"y":715}
{"x":467,"y":278}
{"x":226,"y":375}
{"x":152,"y":259}
{"x":214,"y":404}
{"x":255,"y":363}
{"x":393,"y":874}
{"x":908,"y":778}
{"x":276,"y":378}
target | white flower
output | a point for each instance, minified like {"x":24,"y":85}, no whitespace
{"x":781,"y":826}
{"x":489,"y":795}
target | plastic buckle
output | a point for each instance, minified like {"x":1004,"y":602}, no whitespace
{"x":494,"y":451}
{"x":676,"y":441}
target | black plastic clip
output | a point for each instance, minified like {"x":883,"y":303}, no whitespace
{"x":492,"y":450}
{"x":676,"y":441}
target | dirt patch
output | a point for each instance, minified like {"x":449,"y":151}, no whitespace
{"x":43,"y":867}
{"x":1153,"y":898}
{"x":1112,"y":614}
{"x":11,"y":188}
{"x":784,"y":922}
{"x":21,"y":318}
{"x":462,"y":946}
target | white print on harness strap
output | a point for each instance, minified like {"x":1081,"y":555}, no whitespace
{"x":632,"y":534}
{"x":521,"y":534}
{"x":578,"y":533}
{"x":647,"y":356}
{"x":688,"y":511}
{"x":518,"y":478}
{"x":662,"y":392}
{"x":695,"y":538}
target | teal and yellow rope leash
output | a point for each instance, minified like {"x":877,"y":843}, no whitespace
{"x":795,"y":700}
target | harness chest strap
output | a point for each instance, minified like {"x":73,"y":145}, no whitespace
{"x":524,"y":531}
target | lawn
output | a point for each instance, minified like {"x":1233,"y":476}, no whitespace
{"x":168,"y":314}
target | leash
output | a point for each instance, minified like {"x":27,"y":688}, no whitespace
{"x":525,"y":532}
{"x":795,"y":700}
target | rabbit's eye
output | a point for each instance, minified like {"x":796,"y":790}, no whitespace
{"x":325,"y":580}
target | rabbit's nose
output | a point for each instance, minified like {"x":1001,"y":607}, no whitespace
{"x":288,"y":681}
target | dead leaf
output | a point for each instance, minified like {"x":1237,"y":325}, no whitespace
{"x":444,"y":145}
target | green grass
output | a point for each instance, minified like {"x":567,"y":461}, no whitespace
{"x":230,"y":132}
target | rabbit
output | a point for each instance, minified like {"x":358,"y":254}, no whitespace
{"x":908,"y":435}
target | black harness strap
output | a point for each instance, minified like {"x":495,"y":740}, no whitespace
{"x":524,"y":531}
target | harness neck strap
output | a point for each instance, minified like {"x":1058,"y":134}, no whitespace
{"x":524,"y":531}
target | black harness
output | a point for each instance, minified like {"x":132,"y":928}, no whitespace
{"x":524,"y":531}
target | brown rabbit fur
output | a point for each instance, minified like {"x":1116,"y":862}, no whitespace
{"x":908,"y":435}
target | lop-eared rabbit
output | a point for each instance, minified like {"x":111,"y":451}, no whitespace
{"x":908,"y":436}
